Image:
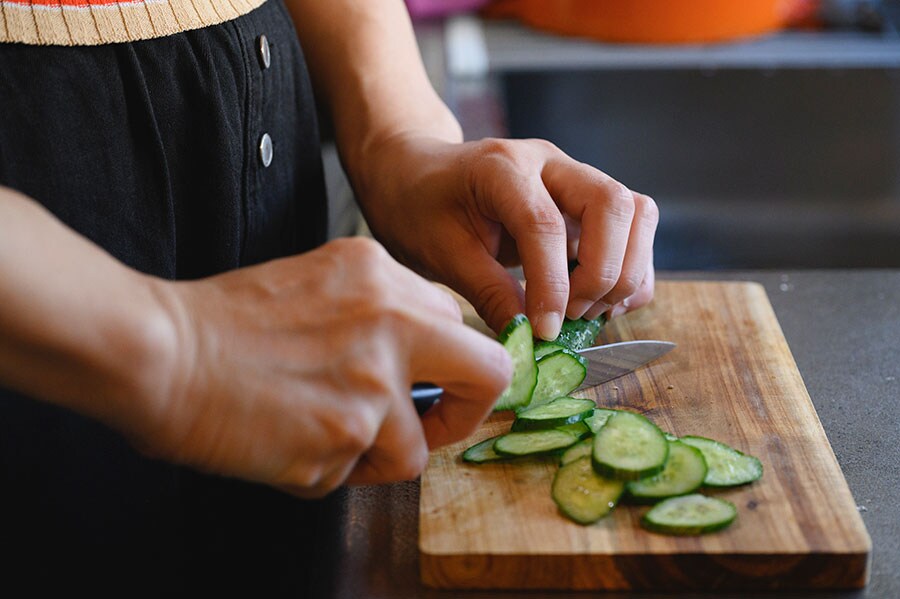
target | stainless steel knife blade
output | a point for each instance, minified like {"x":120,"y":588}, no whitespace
{"x":607,"y":362}
{"x":604,"y":363}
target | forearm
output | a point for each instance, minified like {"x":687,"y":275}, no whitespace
{"x":366,"y":67}
{"x":77,"y":328}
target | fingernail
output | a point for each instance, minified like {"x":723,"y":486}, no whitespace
{"x":596,"y":310}
{"x":619,"y":310}
{"x":578,"y":307}
{"x":549,"y":326}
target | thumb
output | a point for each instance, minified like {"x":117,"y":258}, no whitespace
{"x":496,"y":295}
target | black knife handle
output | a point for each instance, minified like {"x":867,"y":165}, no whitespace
{"x":424,"y":395}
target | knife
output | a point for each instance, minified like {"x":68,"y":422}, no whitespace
{"x":604,"y":363}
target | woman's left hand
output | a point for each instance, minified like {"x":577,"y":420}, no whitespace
{"x":460,"y":213}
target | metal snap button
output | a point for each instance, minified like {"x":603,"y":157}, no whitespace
{"x":265,"y":55}
{"x":265,"y":150}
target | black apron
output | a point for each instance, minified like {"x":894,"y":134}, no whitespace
{"x":154,"y":150}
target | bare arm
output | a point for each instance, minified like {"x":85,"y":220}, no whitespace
{"x":295,"y":373}
{"x":460,"y":212}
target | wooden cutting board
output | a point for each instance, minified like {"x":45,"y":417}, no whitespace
{"x":732,"y":378}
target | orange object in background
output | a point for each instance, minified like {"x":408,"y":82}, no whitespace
{"x":652,"y":21}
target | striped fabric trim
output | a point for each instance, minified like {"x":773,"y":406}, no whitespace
{"x":94,"y":22}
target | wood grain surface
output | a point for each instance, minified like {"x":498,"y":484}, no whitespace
{"x":732,"y":378}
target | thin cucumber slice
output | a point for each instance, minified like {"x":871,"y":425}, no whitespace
{"x":533,"y":442}
{"x":559,"y":374}
{"x":579,"y":429}
{"x":690,"y":515}
{"x":555,"y":413}
{"x":580,"y":333}
{"x":629,"y":447}
{"x":483,"y":452}
{"x":583,"y":495}
{"x":683,"y":473}
{"x":598,"y":419}
{"x":543,"y":348}
{"x":728,"y":467}
{"x":579,"y":450}
{"x":518,"y":341}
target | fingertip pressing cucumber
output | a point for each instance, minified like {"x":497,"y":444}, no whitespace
{"x":518,"y":340}
{"x":580,"y":333}
{"x":689,"y":515}
{"x":629,"y":447}
{"x":483,"y":452}
{"x":553,"y":414}
{"x":559,"y":373}
{"x":583,"y":495}
{"x":683,"y":473}
{"x":728,"y":467}
{"x":533,"y":442}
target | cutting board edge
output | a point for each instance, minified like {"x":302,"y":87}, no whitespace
{"x":581,"y":572}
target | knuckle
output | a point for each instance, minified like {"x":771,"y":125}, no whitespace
{"x":625,"y":287}
{"x":647,"y":207}
{"x":490,"y":299}
{"x":413,"y":463}
{"x":545,"y":145}
{"x":495,"y":147}
{"x":357,"y":430}
{"x":546,"y":219}
{"x":619,"y":200}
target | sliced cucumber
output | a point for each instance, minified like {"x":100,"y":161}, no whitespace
{"x":598,"y":419}
{"x":542,"y":348}
{"x":580,"y":333}
{"x":579,"y":450}
{"x":690,"y":515}
{"x":583,"y":495}
{"x":683,"y":473}
{"x":728,"y":467}
{"x":533,"y":442}
{"x":629,"y":447}
{"x":482,"y":452}
{"x":518,"y":341}
{"x":555,"y":413}
{"x":559,"y":374}
{"x":579,"y":429}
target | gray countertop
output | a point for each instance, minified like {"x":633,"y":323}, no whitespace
{"x":843,"y":328}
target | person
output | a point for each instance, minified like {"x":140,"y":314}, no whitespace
{"x":172,"y":321}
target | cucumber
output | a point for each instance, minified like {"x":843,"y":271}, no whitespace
{"x":629,"y":447}
{"x":689,"y":515}
{"x":559,"y":374}
{"x":555,"y":413}
{"x":683,"y":473}
{"x":580,"y":333}
{"x":579,"y":450}
{"x":518,"y":340}
{"x":482,"y":452}
{"x":728,"y":467}
{"x":542,"y":348}
{"x":533,"y":442}
{"x":583,"y":495}
{"x":579,"y":429}
{"x":598,"y":419}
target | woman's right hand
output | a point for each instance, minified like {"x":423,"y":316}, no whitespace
{"x":297,"y":372}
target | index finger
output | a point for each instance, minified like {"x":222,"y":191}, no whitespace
{"x":473,"y":371}
{"x":532,"y":218}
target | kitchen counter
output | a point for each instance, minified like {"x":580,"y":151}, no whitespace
{"x":843,"y":328}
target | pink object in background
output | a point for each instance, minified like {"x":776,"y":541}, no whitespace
{"x":428,"y":9}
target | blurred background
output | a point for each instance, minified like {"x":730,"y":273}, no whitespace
{"x":768,"y":131}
